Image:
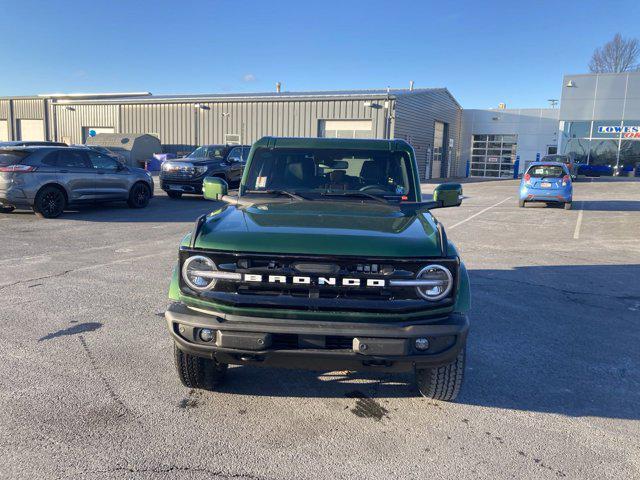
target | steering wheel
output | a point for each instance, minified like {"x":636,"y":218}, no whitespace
{"x":373,"y":187}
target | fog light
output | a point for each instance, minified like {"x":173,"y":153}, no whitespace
{"x":422,"y":344}
{"x":206,"y":335}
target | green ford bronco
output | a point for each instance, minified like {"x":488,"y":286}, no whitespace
{"x":327,"y":259}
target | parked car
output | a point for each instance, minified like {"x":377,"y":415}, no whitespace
{"x":185,"y":175}
{"x":48,"y":179}
{"x":328,"y":259}
{"x":32,"y":143}
{"x":547,"y":182}
{"x":99,"y":148}
{"x":568,"y":161}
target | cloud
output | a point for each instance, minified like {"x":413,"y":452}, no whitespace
{"x":249,"y":77}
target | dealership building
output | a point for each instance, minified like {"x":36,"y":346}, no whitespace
{"x":600,"y":120}
{"x":427,"y":118}
{"x":598,"y":123}
{"x":500,"y":143}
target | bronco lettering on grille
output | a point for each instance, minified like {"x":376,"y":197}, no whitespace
{"x":331,"y":281}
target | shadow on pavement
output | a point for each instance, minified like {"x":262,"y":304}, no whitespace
{"x":609,"y":205}
{"x":74,"y":330}
{"x":161,"y":209}
{"x":559,"y":339}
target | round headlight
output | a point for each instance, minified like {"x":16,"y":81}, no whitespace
{"x":196,"y":272}
{"x":438,"y":282}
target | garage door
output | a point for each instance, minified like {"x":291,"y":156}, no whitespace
{"x":4,"y":131}
{"x":31,"y":129}
{"x":93,"y":131}
{"x":493,"y":155}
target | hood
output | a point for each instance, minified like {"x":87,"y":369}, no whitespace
{"x":197,"y":161}
{"x":321,"y":228}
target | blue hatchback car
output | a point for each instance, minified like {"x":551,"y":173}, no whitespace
{"x":548,"y":182}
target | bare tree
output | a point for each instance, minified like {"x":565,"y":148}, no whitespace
{"x":618,"y":55}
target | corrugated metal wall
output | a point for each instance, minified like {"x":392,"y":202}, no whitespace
{"x":19,"y":109}
{"x":415,"y":115}
{"x":181,"y":125}
{"x":28,"y":108}
{"x":4,"y":109}
{"x":68,"y":120}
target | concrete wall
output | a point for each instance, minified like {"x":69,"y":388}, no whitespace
{"x":536,"y":128}
{"x":604,"y":96}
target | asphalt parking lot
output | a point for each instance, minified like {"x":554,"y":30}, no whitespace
{"x":88,"y":388}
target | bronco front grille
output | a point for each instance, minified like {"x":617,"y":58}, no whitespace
{"x":372,"y":292}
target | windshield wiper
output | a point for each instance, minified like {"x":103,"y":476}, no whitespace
{"x":293,"y":195}
{"x":354,"y":194}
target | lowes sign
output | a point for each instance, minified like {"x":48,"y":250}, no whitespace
{"x":628,"y":131}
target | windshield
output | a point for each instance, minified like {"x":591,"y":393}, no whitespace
{"x":208,"y":151}
{"x":323,"y":171}
{"x":546,"y":171}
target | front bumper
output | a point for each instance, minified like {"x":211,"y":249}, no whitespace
{"x":185,"y":186}
{"x":316,"y":345}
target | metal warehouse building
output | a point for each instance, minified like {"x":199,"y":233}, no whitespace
{"x":429,"y":119}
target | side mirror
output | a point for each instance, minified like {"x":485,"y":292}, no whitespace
{"x":234,"y":159}
{"x":214,"y":188}
{"x":448,"y":194}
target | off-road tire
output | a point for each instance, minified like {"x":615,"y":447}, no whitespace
{"x":50,"y":202}
{"x":521,"y":203}
{"x":567,"y":206}
{"x":7,"y":208}
{"x":174,"y":195}
{"x":139,"y":195}
{"x":198,"y":372}
{"x":442,"y":383}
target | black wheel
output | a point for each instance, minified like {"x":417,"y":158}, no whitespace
{"x":50,"y":202}
{"x":175,"y":195}
{"x":139,"y":196}
{"x":521,"y":203}
{"x":198,"y":372}
{"x":442,"y":383}
{"x":567,"y":206}
{"x":7,"y":208}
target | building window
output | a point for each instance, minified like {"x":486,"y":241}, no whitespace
{"x":575,"y":129}
{"x":493,"y":155}
{"x":345,"y":129}
{"x":603,"y":153}
{"x":608,"y":147}
{"x":578,"y":149}
{"x":630,"y":156}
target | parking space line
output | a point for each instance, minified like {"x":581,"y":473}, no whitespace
{"x":576,"y":232}
{"x":478,"y":213}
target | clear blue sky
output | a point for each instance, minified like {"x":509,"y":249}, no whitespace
{"x":500,"y":51}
